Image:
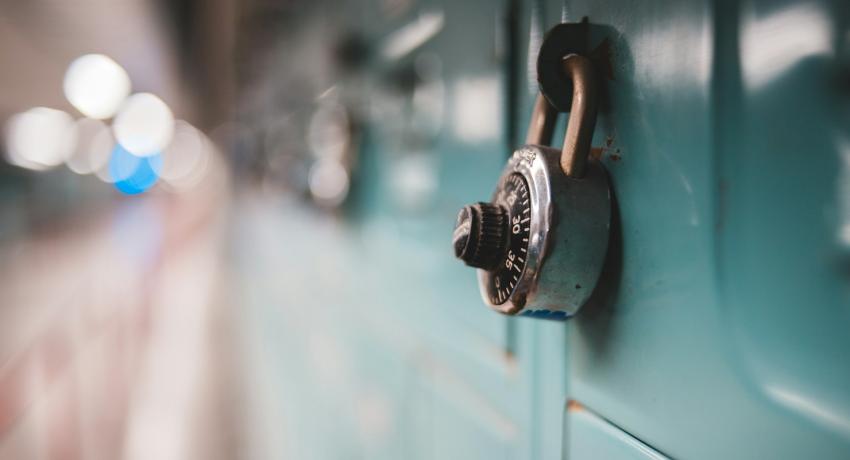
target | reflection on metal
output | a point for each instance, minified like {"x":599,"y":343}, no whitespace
{"x":413,"y":35}
{"x":770,"y":46}
{"x":477,"y":109}
{"x":681,"y":72}
{"x":591,"y":436}
{"x":428,"y":99}
{"x":843,"y":192}
{"x":535,"y":39}
{"x":828,"y":417}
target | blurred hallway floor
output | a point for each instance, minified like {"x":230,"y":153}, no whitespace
{"x":113,"y":339}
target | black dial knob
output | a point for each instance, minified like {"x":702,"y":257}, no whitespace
{"x":495,"y":237}
{"x":479,"y":236}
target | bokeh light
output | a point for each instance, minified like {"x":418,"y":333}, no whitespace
{"x":96,"y":85}
{"x":144,"y":125}
{"x":94,"y":146}
{"x":185,"y":154}
{"x":132,"y":174}
{"x":329,"y":132}
{"x":328,"y":182}
{"x":40,"y":138}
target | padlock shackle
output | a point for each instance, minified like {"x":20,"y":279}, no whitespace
{"x":542,"y":124}
{"x":579,"y":135}
{"x":582,"y":120}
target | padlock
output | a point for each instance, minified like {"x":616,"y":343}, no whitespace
{"x":540,"y":243}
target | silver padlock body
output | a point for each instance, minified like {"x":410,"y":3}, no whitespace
{"x":568,"y":238}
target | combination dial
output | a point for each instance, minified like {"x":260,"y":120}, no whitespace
{"x":494,"y":237}
{"x":539,"y":244}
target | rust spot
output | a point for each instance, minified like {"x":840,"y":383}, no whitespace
{"x":573,"y":405}
{"x":596,"y":152}
{"x":615,"y":157}
{"x":608,"y":141}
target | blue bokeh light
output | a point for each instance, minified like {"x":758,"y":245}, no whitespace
{"x":131,"y":174}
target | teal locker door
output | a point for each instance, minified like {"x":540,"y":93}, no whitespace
{"x":719,"y":330}
{"x":589,"y":436}
{"x":467,"y":397}
{"x":380,"y":346}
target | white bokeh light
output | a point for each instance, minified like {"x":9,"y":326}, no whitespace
{"x":144,"y":125}
{"x":40,"y":138}
{"x":102,"y":172}
{"x":329,"y":134}
{"x":186,"y":158}
{"x":96,"y":85}
{"x":94,"y":144}
{"x":328,"y":182}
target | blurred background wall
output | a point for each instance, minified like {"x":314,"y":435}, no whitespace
{"x":224,"y":232}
